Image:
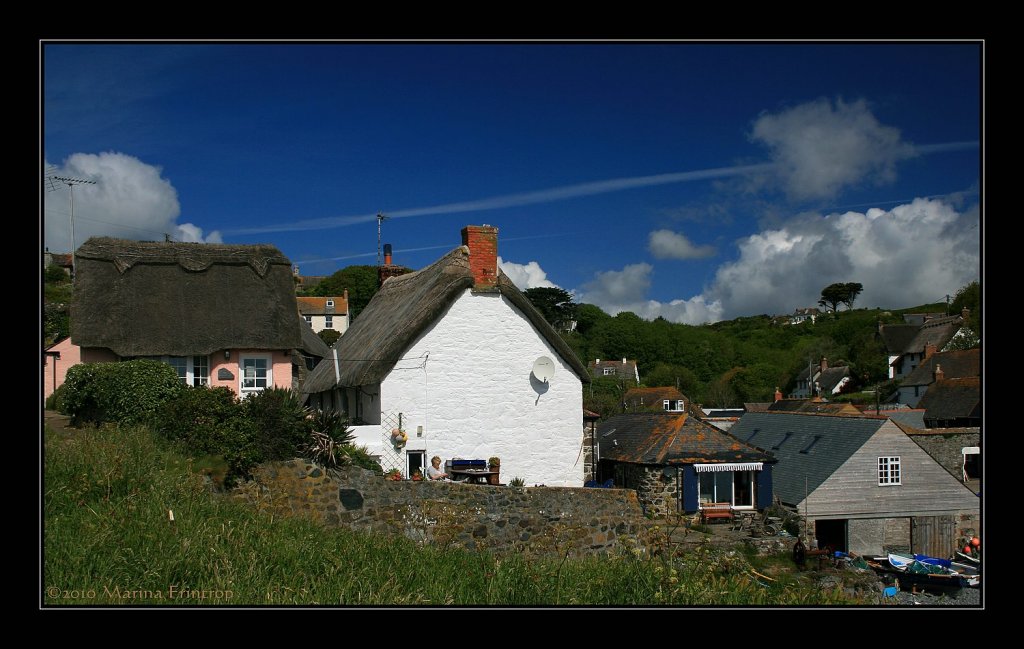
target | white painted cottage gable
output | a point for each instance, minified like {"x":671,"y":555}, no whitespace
{"x":452,"y":348}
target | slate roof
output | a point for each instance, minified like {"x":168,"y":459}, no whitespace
{"x":813,"y":406}
{"x":955,"y":365}
{"x":951,"y":399}
{"x":140,"y":298}
{"x":627,"y":370}
{"x":896,"y":337}
{"x":913,"y":418}
{"x":652,"y":398}
{"x":318,"y":305}
{"x":757,"y":406}
{"x":405,"y":307}
{"x":784,"y":435}
{"x":671,"y":438}
{"x":937,"y":331}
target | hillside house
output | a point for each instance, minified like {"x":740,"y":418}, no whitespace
{"x":937,"y":366}
{"x":624,"y":369}
{"x":666,"y":399}
{"x":909,"y":344}
{"x":325,"y":312}
{"x":821,"y":380}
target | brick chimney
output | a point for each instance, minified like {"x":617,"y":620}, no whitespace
{"x":965,"y":313}
{"x":388,"y":270}
{"x":482,"y":241}
{"x":778,"y":393}
{"x":929,"y":349}
{"x":939,"y":374}
{"x":824,"y":363}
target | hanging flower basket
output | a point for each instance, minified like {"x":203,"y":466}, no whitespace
{"x":399,"y":438}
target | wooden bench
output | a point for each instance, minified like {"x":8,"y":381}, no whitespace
{"x":716,"y":510}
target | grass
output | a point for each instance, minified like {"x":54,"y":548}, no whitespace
{"x":108,"y":539}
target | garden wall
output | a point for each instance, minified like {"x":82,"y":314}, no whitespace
{"x":532,"y":519}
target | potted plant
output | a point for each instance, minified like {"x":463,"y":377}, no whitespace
{"x":393,"y":474}
{"x":494,"y":462}
{"x":417,"y":475}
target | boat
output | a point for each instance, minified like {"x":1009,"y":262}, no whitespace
{"x":972,"y":574}
{"x":911,"y":574}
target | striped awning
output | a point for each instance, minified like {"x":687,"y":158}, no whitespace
{"x":728,"y":466}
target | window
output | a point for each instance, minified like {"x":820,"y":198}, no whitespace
{"x":192,"y":370}
{"x":673,"y":405}
{"x":608,"y":371}
{"x":330,"y":304}
{"x":257,"y":373}
{"x":889,"y":471}
{"x":308,"y":318}
{"x":329,"y":321}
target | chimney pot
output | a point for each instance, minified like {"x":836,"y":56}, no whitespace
{"x":824,"y":363}
{"x":939,"y":374}
{"x":778,"y":393}
{"x":387,"y":254}
{"x":623,"y":360}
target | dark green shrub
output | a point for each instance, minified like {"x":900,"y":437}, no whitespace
{"x":200,"y":417}
{"x":329,"y":336}
{"x":330,"y":435}
{"x":360,"y":457}
{"x":128,"y":392}
{"x":55,"y":275}
{"x":273,"y":426}
{"x":56,"y":400}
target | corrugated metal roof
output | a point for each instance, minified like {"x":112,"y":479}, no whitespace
{"x":785,"y":435}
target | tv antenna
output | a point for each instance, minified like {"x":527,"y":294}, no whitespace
{"x":52,"y":181}
{"x":380,"y":219}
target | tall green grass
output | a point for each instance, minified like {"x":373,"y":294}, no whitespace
{"x":109,"y":540}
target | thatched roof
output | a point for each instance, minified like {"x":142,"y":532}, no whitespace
{"x":149,"y":299}
{"x":312,"y":344}
{"x":403,"y":308}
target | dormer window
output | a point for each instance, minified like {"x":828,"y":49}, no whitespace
{"x":330,"y":304}
{"x":673,"y":405}
{"x":608,"y":371}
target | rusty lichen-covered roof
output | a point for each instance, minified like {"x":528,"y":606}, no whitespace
{"x":141,"y":298}
{"x":652,"y":398}
{"x":405,"y":307}
{"x":318,"y":305}
{"x":671,"y":438}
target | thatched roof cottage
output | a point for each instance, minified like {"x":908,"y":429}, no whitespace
{"x":220,"y":314}
{"x":452,"y":349}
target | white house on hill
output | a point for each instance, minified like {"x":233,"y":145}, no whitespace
{"x":461,"y":354}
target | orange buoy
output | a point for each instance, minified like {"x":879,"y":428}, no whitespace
{"x":976,"y":542}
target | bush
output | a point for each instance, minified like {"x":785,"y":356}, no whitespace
{"x":128,"y":392}
{"x":273,"y":426}
{"x":56,"y":400}
{"x":200,"y":417}
{"x":330,"y":435}
{"x":360,"y":456}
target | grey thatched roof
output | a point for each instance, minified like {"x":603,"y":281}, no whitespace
{"x":897,"y":337}
{"x":955,"y":365}
{"x":312,"y":344}
{"x":403,"y":308}
{"x":149,"y":299}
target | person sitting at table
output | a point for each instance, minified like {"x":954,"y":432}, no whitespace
{"x":434,"y":471}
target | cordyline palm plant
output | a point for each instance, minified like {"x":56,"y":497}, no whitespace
{"x":330,"y":438}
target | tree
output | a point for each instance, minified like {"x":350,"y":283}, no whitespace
{"x":840,"y":293}
{"x":359,"y":280}
{"x":554,"y":303}
{"x":329,"y":336}
{"x":853,"y":289}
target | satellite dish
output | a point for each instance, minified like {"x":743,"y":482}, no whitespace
{"x":543,"y":368}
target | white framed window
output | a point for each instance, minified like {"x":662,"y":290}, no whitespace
{"x":200,"y":371}
{"x":673,"y":405}
{"x":330,"y":304}
{"x":329,"y":321}
{"x":889,"y":472}
{"x":192,"y":370}
{"x":308,"y":318}
{"x":256,"y":373}
{"x":608,"y":371}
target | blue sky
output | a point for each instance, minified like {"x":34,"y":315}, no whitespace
{"x":692,"y":181}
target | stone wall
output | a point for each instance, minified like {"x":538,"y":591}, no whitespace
{"x":946,"y":448}
{"x":532,"y":519}
{"x":655,"y":492}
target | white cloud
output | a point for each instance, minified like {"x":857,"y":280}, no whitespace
{"x":624,"y":290}
{"x":908,"y":255}
{"x":666,"y":244}
{"x":819,"y":149}
{"x":524,"y":276}
{"x":130,"y":199}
